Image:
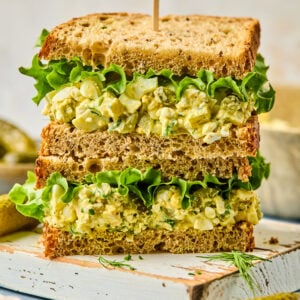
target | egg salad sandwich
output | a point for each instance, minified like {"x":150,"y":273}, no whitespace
{"x":153,"y":136}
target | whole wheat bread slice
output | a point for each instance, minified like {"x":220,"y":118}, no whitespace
{"x":181,"y":166}
{"x":65,"y":140}
{"x":184,"y":44}
{"x":58,"y":242}
{"x":75,"y":153}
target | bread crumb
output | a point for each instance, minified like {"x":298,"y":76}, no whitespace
{"x":273,"y":240}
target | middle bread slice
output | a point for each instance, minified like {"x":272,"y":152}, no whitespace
{"x":75,"y":153}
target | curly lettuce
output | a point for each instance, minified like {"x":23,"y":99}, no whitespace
{"x":58,"y":73}
{"x":144,"y":185}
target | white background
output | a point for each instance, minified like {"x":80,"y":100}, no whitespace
{"x":21,"y":22}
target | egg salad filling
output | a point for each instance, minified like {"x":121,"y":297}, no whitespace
{"x":102,"y":208}
{"x":131,"y":201}
{"x":147,"y":108}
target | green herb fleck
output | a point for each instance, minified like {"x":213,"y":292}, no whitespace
{"x":113,"y":263}
{"x":115,"y":125}
{"x":170,"y":127}
{"x":197,"y":272}
{"x":141,"y":257}
{"x":91,"y":211}
{"x":170,"y":222}
{"x":128,"y":257}
{"x":73,"y":231}
{"x":95,"y":111}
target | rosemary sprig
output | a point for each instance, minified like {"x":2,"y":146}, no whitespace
{"x":242,"y":261}
{"x":114,"y":263}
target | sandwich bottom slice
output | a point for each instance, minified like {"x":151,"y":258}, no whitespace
{"x":131,"y":211}
{"x":59,"y":242}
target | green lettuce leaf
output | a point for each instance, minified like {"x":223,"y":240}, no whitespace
{"x":28,"y":200}
{"x":165,"y":77}
{"x":260,"y":66}
{"x":39,"y":72}
{"x":118,"y":81}
{"x":256,"y":85}
{"x":41,"y":39}
{"x":58,"y":73}
{"x":228,"y":84}
{"x":32,"y":202}
{"x":143,"y":185}
{"x":260,"y":171}
{"x":186,"y":82}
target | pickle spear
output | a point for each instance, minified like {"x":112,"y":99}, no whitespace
{"x":10,"y":219}
{"x":15,"y":140}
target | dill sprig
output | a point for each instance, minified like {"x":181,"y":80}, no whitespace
{"x":242,"y":261}
{"x":114,"y":263}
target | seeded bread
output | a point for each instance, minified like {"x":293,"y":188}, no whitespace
{"x":236,"y":237}
{"x":184,"y":43}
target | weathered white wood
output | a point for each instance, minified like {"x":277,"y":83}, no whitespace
{"x":157,"y":276}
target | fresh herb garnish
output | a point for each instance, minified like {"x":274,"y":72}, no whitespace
{"x":128,"y":257}
{"x":242,"y":261}
{"x":197,"y":272}
{"x":114,"y":263}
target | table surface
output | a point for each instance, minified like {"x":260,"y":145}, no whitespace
{"x":12,"y":293}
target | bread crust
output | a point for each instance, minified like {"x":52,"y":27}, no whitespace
{"x":58,"y":242}
{"x":184,"y":43}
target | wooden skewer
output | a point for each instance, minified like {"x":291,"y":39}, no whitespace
{"x":155,"y":16}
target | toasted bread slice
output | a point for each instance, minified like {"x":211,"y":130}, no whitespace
{"x":236,"y":237}
{"x":184,"y":43}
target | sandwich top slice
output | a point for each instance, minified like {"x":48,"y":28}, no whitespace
{"x":184,"y":44}
{"x":153,"y":137}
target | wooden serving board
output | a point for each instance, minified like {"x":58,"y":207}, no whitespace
{"x":156,"y":276}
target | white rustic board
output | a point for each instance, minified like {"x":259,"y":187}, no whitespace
{"x":23,"y":268}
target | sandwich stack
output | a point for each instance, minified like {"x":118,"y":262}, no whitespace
{"x":153,"y":139}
